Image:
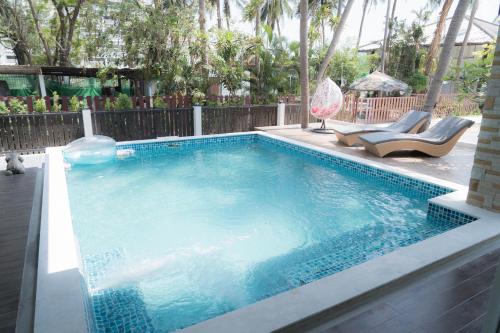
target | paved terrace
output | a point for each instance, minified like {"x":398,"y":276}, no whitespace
{"x":454,"y":167}
{"x":451,"y":299}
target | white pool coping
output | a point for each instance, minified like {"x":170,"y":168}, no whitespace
{"x":60,"y":300}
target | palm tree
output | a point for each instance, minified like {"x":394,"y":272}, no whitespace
{"x":475,"y":4}
{"x":321,"y":11}
{"x":365,"y":7}
{"x":436,"y":40}
{"x":304,"y":65}
{"x":216,"y":3}
{"x":253,"y":11}
{"x":201,"y":21}
{"x":386,"y":32}
{"x":445,"y":57}
{"x":335,"y":40}
{"x":391,"y":26}
{"x":227,"y":13}
{"x":274,"y":10}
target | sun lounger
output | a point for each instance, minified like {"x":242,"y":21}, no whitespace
{"x":411,"y":122}
{"x":436,"y":141}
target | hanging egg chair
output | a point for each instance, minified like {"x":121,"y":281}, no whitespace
{"x":326,"y":103}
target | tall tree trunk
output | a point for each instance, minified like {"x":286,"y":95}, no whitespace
{"x":334,"y":42}
{"x":304,"y":65}
{"x":257,"y":49}
{"x":436,"y":40}
{"x":39,"y":32}
{"x":219,"y":15}
{"x":201,"y":21}
{"x":386,"y":32}
{"x":22,"y":53}
{"x":278,"y":27}
{"x":460,"y":58}
{"x":432,"y":95}
{"x":227,"y":13}
{"x":365,"y":7}
{"x":389,"y":34}
{"x":323,"y":41}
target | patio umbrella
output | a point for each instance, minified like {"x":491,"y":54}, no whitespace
{"x":378,"y":81}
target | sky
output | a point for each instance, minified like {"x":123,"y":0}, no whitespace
{"x":374,"y":20}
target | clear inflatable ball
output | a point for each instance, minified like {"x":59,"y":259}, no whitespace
{"x":90,"y":150}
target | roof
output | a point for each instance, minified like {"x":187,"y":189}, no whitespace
{"x":137,"y":74}
{"x":482,"y":32}
{"x":378,"y":81}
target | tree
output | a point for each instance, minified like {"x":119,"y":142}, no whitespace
{"x":335,"y":39}
{"x":304,"y":65}
{"x":475,"y":4}
{"x":386,"y":37}
{"x":365,"y":8}
{"x":228,"y":59}
{"x":445,"y":57}
{"x":203,"y":37}
{"x":273,"y":11}
{"x":14,"y":31}
{"x":436,"y":40}
{"x":57,"y":34}
{"x":253,"y":11}
{"x":227,"y":13}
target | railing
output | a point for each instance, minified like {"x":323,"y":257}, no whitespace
{"x":388,"y":109}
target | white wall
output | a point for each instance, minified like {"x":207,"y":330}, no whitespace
{"x":7,"y":57}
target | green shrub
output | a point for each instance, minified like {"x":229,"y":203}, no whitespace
{"x":17,"y":106}
{"x":108,"y":105}
{"x":123,"y":102}
{"x":56,"y":107}
{"x":39,"y":106}
{"x":159,"y":103}
{"x":418,"y":82}
{"x":198,"y":97}
{"x":3,"y":108}
{"x":75,"y":105}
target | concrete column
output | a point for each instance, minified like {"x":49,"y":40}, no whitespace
{"x":41,"y":83}
{"x":197,"y":120}
{"x":484,"y":186}
{"x":87,"y":123}
{"x":281,"y":114}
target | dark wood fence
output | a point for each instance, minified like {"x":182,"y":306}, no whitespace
{"x":216,"y":120}
{"x":31,"y":133}
{"x":292,"y":115}
{"x":143,"y":124}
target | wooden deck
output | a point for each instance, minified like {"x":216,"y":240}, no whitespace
{"x":16,"y":200}
{"x":452,"y":301}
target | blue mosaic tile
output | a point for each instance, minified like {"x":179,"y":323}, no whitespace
{"x":115,"y":310}
{"x":402,"y":182}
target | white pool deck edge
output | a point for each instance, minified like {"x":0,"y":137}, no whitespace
{"x":59,"y":303}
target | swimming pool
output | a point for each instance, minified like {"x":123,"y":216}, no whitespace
{"x":186,"y":230}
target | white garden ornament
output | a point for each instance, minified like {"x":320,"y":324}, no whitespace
{"x":327,"y":101}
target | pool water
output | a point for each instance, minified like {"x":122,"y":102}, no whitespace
{"x":174,"y":238}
